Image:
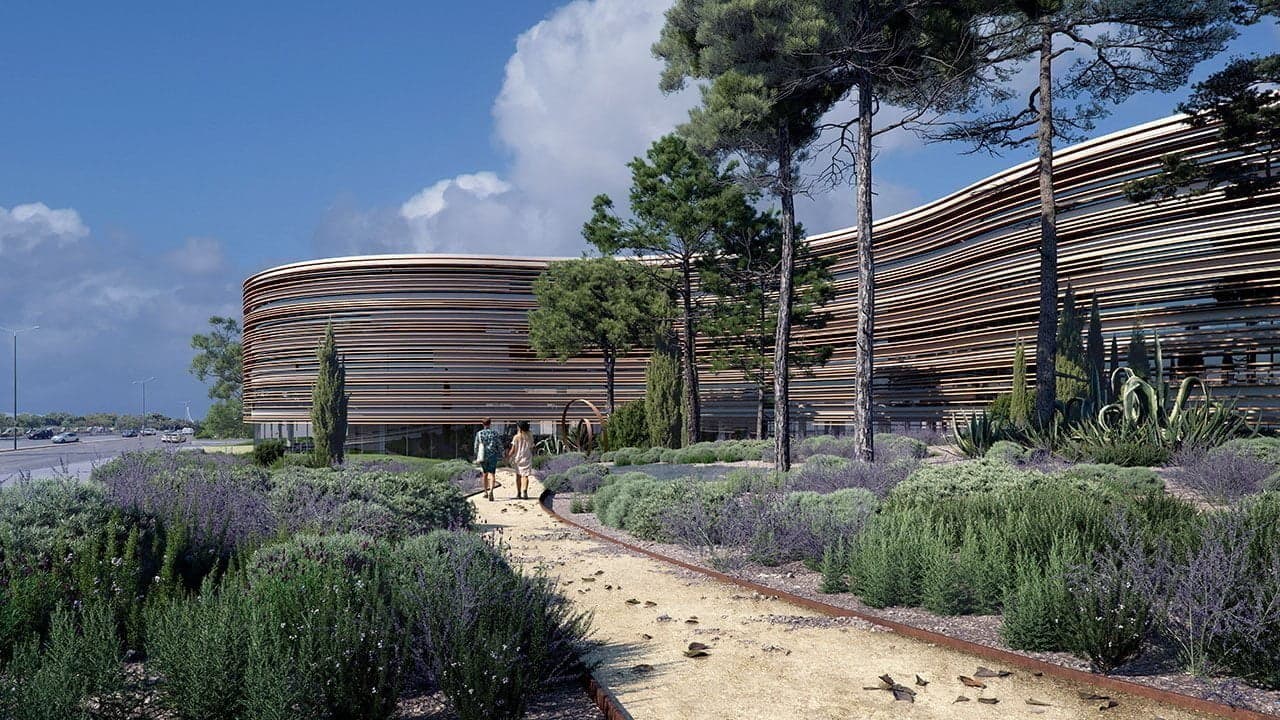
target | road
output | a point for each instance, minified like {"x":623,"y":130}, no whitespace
{"x":41,"y":458}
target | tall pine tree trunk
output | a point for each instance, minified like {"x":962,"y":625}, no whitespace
{"x":863,"y":427}
{"x":782,"y":337}
{"x":1047,"y":322}
{"x":760,"y":412}
{"x":689,"y":362}
{"x":609,"y":362}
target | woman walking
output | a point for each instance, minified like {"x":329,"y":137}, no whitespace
{"x":520,"y":456}
{"x":488,"y":449}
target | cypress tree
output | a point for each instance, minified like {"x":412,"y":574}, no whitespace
{"x":1097,"y":353}
{"x":1020,"y":405}
{"x":1139,"y":361}
{"x":1069,"y":341}
{"x":329,"y":403}
{"x":662,"y":397}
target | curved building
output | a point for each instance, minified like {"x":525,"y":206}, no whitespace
{"x":433,"y":342}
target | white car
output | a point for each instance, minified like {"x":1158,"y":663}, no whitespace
{"x":148,"y":431}
{"x":173,"y":437}
{"x":66,"y":437}
{"x":188,"y":431}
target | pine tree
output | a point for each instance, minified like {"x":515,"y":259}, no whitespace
{"x":1121,"y":47}
{"x":662,"y":397}
{"x":1020,"y":400}
{"x":329,"y":403}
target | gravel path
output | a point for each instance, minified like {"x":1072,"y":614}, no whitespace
{"x":765,"y":658}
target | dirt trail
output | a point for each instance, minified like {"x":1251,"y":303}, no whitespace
{"x":766,"y":658}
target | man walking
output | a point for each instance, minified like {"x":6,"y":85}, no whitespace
{"x":488,"y":449}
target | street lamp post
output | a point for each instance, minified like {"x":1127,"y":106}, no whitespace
{"x":142,"y":433}
{"x":15,"y":332}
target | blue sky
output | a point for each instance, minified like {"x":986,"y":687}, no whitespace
{"x":154,"y":155}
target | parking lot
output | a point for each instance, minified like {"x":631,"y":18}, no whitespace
{"x":41,"y":458}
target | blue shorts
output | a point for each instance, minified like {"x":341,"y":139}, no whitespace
{"x":489,"y":466}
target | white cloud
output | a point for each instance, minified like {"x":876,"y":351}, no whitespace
{"x":580,"y":99}
{"x":26,"y":226}
{"x":107,"y":313}
{"x":431,"y":201}
{"x":199,"y":256}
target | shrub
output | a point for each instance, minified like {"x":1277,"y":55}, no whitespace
{"x":1112,"y":599}
{"x":221,"y":505}
{"x":1038,"y":609}
{"x":824,"y":520}
{"x":612,"y":501}
{"x":1265,"y":449}
{"x":930,"y":483}
{"x":320,"y":608}
{"x":200,"y":645}
{"x":825,"y":473}
{"x":266,"y":452}
{"x":1125,"y":480}
{"x":490,"y":636}
{"x":1127,"y":452}
{"x":627,"y":426}
{"x":558,"y":464}
{"x":585,"y":478}
{"x":621,"y":456}
{"x":1000,"y":409}
{"x":696,"y":454}
{"x":377,"y":502}
{"x":55,"y":680}
{"x":887,"y":559}
{"x":39,"y":517}
{"x":580,"y":505}
{"x":834,"y":569}
{"x":1009,"y":452}
{"x":649,"y":456}
{"x":824,"y":445}
{"x":890,"y":446}
{"x":1225,"y":474}
{"x":669,"y":456}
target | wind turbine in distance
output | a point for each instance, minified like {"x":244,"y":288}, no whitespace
{"x":187,"y":403}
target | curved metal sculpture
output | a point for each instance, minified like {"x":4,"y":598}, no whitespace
{"x":582,"y":437}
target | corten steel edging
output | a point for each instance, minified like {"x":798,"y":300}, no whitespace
{"x":1186,"y":702}
{"x":603,"y":698}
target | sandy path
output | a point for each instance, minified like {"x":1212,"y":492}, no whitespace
{"x":768,"y":658}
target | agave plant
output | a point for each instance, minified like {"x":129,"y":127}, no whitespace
{"x":977,"y":435}
{"x":1145,"y":407}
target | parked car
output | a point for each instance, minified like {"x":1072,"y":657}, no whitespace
{"x":173,"y":437}
{"x":66,"y":437}
{"x":128,"y":432}
{"x":148,"y":431}
{"x":40,"y":434}
{"x":188,"y":431}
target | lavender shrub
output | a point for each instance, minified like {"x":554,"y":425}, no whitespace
{"x":1223,"y":475}
{"x":827,"y":473}
{"x":221,"y":506}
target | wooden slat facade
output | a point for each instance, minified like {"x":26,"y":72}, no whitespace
{"x":432,"y":339}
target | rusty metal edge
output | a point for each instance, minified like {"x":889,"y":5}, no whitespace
{"x":603,"y":698}
{"x":1186,"y":702}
